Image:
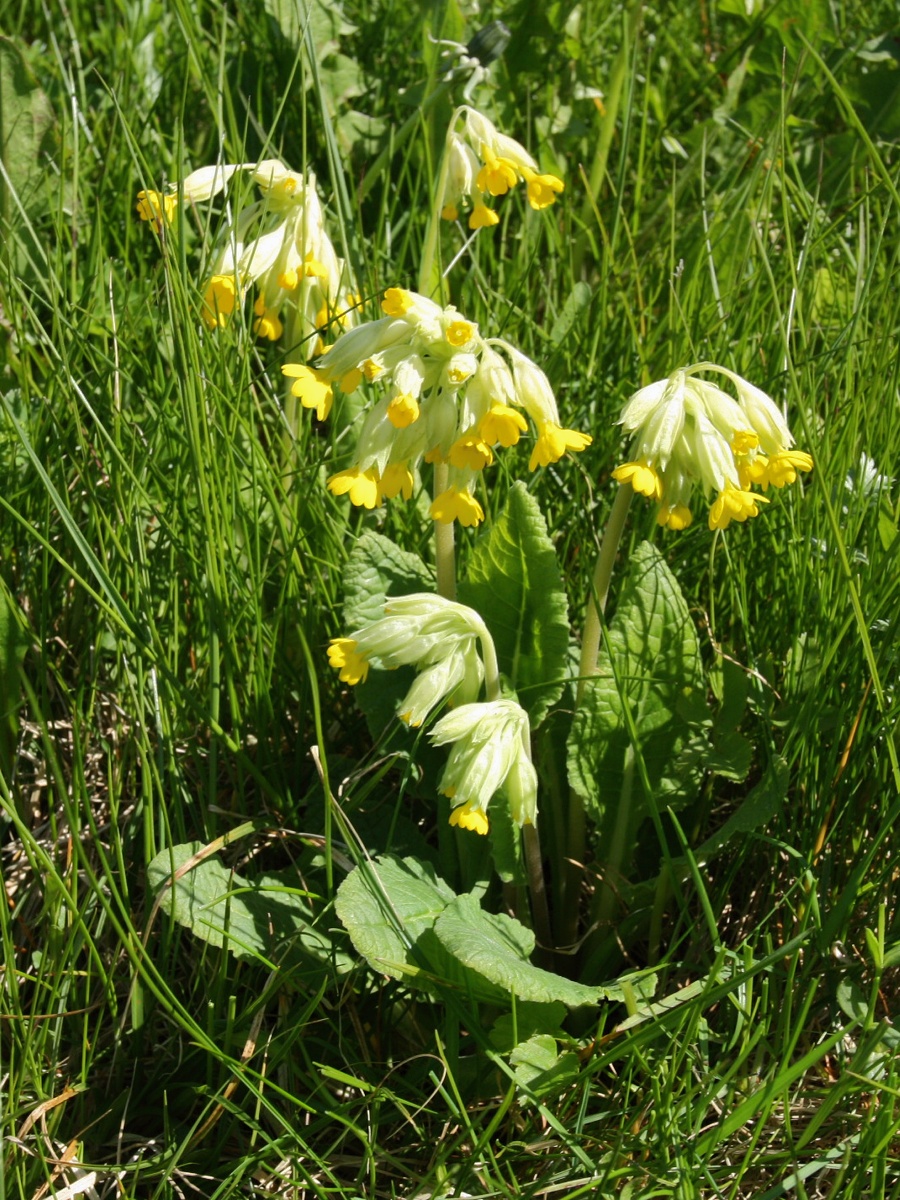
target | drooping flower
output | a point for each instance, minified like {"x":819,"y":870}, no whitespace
{"x":689,"y":433}
{"x":277,"y":244}
{"x":489,"y":750}
{"x":437,"y":636}
{"x":482,"y":161}
{"x":451,"y":397}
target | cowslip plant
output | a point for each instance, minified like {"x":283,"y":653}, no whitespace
{"x":480,"y":676}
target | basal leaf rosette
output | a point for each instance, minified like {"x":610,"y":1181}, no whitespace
{"x":689,"y":433}
{"x":448,"y":395}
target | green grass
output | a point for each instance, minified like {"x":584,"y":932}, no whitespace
{"x":170,"y":573}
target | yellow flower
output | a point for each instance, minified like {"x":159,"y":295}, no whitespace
{"x":469,"y":816}
{"x":455,"y":505}
{"x":219,"y":300}
{"x":403,"y":410}
{"x":397,"y":480}
{"x":470,"y":453}
{"x":157,"y":206}
{"x":689,"y":432}
{"x":361,"y":486}
{"x":450,"y":212}
{"x":542,"y":189}
{"x":502,"y":424}
{"x":642,"y":478}
{"x":396,"y":302}
{"x":343,"y":656}
{"x":734,"y":505}
{"x":497,"y":175}
{"x":481,"y":217}
{"x":460,"y":333}
{"x":553,"y":442}
{"x":268,"y":324}
{"x":310,"y":388}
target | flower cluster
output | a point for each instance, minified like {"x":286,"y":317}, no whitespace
{"x":490,"y":739}
{"x":451,"y":398}
{"x":277,"y":243}
{"x":688,"y":432}
{"x":482,"y":161}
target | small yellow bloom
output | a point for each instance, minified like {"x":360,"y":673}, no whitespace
{"x":310,"y":388}
{"x":676,"y":516}
{"x":734,"y":505}
{"x":459,"y":333}
{"x":782,"y":468}
{"x":269,"y":323}
{"x":350,"y":382}
{"x":157,"y":206}
{"x":542,"y":189}
{"x":642,"y":477}
{"x":396,"y":302}
{"x":481,"y":217}
{"x":397,"y":480}
{"x":219,"y":301}
{"x":553,"y":442}
{"x":372,"y":368}
{"x":343,"y":656}
{"x":502,"y":424}
{"x":497,"y":175}
{"x":313,"y":268}
{"x":450,"y":212}
{"x":455,"y":505}
{"x":469,"y":452}
{"x":470,"y":816}
{"x":403,"y":410}
{"x":361,"y":486}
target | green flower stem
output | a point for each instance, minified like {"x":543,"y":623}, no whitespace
{"x":590,"y":649}
{"x":540,"y":913}
{"x":609,"y":548}
{"x":429,"y":285}
{"x":444,"y":553}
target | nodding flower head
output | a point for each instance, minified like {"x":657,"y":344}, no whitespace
{"x":689,"y":433}
{"x":276,"y":244}
{"x":489,"y":743}
{"x":438,"y":637}
{"x":448,"y":395}
{"x":481,"y":161}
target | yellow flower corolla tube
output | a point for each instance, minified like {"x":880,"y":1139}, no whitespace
{"x":450,"y":396}
{"x":276,"y":244}
{"x":438,"y":637}
{"x":489,"y":750}
{"x":480,"y":161}
{"x":688,"y":432}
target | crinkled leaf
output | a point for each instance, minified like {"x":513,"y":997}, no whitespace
{"x":515,"y":584}
{"x":267,"y":918}
{"x":653,"y":655}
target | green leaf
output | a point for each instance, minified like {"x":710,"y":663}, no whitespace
{"x":376,"y":569}
{"x":540,"y":1069}
{"x":760,"y":806}
{"x":497,"y":947}
{"x":528,"y":1019}
{"x":653,"y":655}
{"x":515,"y":584}
{"x":408,"y":924}
{"x":27,"y":134}
{"x":268,"y":918}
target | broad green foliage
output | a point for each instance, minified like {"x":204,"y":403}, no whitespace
{"x":407,"y":923}
{"x":631,"y":720}
{"x":269,"y":918}
{"x":514,"y":582}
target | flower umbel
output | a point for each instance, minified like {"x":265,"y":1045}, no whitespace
{"x":482,"y":161}
{"x":277,"y":243}
{"x":489,"y":750}
{"x":689,"y":433}
{"x":449,"y":396}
